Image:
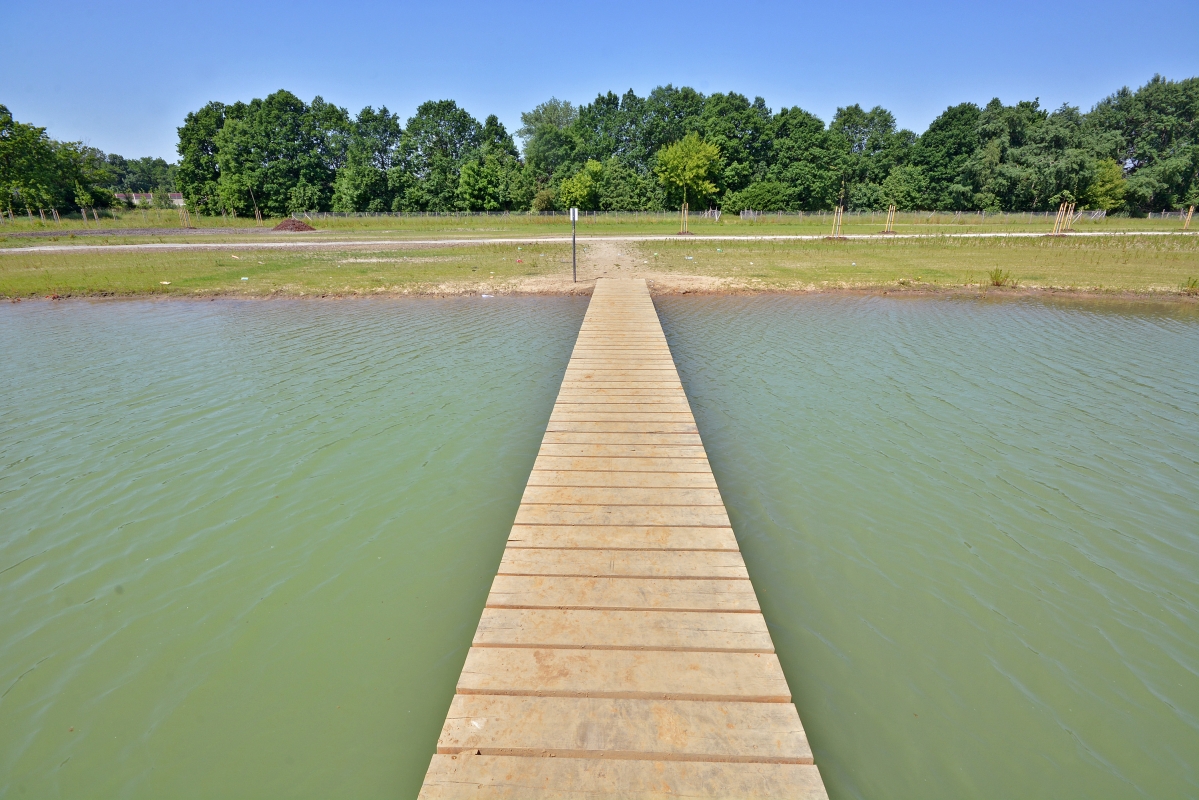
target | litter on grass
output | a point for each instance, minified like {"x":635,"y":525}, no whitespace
{"x":245,"y":279}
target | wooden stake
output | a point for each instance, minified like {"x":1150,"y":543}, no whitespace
{"x":837,"y":214}
{"x":890,"y":228}
{"x":1059,"y":220}
{"x":1186,"y":223}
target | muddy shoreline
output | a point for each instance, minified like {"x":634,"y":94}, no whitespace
{"x":657,"y":289}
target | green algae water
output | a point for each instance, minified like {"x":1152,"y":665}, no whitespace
{"x":974,"y":531}
{"x":244,"y":545}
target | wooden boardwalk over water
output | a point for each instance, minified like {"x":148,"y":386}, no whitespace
{"x":622,"y":651}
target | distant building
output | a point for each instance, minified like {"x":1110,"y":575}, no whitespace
{"x":148,"y":197}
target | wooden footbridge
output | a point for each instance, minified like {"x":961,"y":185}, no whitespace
{"x":622,"y":651}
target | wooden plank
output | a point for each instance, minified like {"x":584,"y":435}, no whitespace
{"x":561,"y":463}
{"x":621,"y":496}
{"x":513,"y":778}
{"x":623,"y":630}
{"x":627,"y":537}
{"x":624,"y":426}
{"x":621,"y":437}
{"x":573,"y":727}
{"x":624,"y":674}
{"x":595,"y":416}
{"x":622,"y":594}
{"x":627,"y":478}
{"x":675,"y":393}
{"x":673,"y":397}
{"x":674,"y":516}
{"x":570,"y":450}
{"x":624,"y":385}
{"x":628,"y":563}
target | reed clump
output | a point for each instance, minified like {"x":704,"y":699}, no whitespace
{"x":999,"y":277}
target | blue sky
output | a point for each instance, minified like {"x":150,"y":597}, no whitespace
{"x":121,"y":76}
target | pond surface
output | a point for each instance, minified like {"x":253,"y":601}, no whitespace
{"x":244,"y":545}
{"x":247,"y":543}
{"x":974,"y":531}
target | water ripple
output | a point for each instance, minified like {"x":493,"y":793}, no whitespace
{"x":974,"y":529}
{"x":246,"y":544}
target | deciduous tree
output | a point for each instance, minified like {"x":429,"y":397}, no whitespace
{"x":688,"y":165}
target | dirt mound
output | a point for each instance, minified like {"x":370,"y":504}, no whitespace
{"x":293,"y":225}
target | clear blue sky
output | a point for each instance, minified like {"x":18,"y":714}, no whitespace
{"x":121,"y":76}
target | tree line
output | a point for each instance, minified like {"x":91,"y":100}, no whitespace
{"x":38,"y":172}
{"x":1134,"y":151}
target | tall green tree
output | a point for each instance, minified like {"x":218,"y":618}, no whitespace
{"x":943,"y":151}
{"x":437,"y":141}
{"x":494,"y":179}
{"x":199,"y":172}
{"x":1156,"y":140}
{"x":688,"y":166}
{"x":875,"y":148}
{"x":280,"y":154}
{"x":807,"y":159}
{"x":361,"y":182}
{"x":28,"y":165}
{"x":740,"y":130}
{"x":37,"y":172}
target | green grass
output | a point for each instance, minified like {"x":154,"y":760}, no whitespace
{"x":1164,"y":264}
{"x":1133,"y":263}
{"x":293,"y":272}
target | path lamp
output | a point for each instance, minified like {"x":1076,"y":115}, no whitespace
{"x":574,"y":262}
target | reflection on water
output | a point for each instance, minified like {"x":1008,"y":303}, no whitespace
{"x":245,"y":544}
{"x":974,"y":530}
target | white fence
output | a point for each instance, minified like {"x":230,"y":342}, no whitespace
{"x":565,"y":215}
{"x":935,"y":217}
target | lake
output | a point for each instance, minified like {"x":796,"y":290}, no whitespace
{"x":245,"y":544}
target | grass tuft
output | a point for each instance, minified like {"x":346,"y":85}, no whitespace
{"x":1191,"y":286}
{"x":999,"y":277}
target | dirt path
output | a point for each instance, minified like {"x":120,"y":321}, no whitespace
{"x":615,"y":258}
{"x":591,"y":241}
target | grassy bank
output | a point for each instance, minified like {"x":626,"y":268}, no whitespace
{"x":1142,"y":264}
{"x":288,"y":272}
{"x":1132,"y":263}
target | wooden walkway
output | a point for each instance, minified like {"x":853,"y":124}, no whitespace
{"x":622,"y":652}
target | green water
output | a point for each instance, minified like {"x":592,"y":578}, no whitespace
{"x":974,"y":530}
{"x":244,"y":545}
{"x":247,"y":544}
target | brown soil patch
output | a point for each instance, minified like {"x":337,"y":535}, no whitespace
{"x":295,"y":225}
